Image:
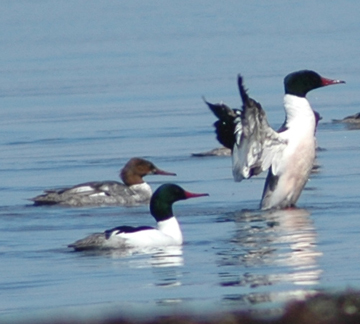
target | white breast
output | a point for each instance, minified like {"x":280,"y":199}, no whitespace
{"x":168,"y":233}
{"x":142,"y":192}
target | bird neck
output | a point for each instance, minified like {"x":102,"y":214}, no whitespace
{"x":161,"y":210}
{"x":171,"y":227}
{"x":130,"y":178}
{"x":298,"y":112}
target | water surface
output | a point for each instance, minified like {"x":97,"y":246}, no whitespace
{"x":86,"y":85}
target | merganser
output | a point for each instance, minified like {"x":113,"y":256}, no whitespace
{"x":353,"y":119}
{"x":219,"y":151}
{"x":167,"y":233}
{"x":132,"y":192}
{"x":288,"y":153}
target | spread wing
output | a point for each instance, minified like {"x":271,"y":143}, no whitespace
{"x":255,"y":145}
{"x":225,"y":125}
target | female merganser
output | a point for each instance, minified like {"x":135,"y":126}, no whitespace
{"x":167,"y":233}
{"x":288,"y":153}
{"x":353,"y":119}
{"x":219,"y":151}
{"x":132,"y":192}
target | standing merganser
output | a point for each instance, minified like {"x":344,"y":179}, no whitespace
{"x":288,"y":153}
{"x":167,"y":233}
{"x":132,"y":192}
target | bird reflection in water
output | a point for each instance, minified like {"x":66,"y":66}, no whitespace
{"x":165,"y":264}
{"x":167,"y":256}
{"x":275,"y":248}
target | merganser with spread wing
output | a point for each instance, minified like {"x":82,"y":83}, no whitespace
{"x":288,"y":153}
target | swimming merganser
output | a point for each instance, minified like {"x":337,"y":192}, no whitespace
{"x":288,"y":153}
{"x":353,"y":119}
{"x":132,"y":192}
{"x":167,"y":233}
{"x":219,"y":151}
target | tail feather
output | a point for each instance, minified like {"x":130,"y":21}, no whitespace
{"x":91,"y":242}
{"x":49,"y":198}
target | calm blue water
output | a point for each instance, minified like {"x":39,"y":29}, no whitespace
{"x":86,"y":85}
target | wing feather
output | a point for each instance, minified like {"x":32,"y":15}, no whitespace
{"x":255,"y":145}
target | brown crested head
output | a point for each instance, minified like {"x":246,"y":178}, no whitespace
{"x":136,"y":168}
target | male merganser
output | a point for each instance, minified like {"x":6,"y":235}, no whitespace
{"x":132,"y":192}
{"x":288,"y":153}
{"x":167,"y":233}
